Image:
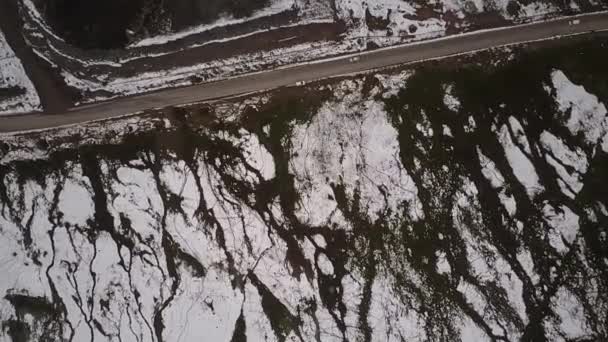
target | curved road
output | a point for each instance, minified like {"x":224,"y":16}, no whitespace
{"x":309,"y":72}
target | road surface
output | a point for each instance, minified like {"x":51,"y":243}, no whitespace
{"x":271,"y":79}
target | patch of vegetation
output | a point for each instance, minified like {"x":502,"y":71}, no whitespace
{"x":46,"y":319}
{"x":377,"y":23}
{"x":92,"y":24}
{"x":10,"y":92}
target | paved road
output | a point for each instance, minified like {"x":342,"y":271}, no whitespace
{"x":309,"y":72}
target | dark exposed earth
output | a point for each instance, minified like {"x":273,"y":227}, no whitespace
{"x":114,"y":23}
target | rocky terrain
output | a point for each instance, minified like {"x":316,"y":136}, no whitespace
{"x":461,"y":199}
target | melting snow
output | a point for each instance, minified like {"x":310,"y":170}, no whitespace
{"x":522,"y":166}
{"x":325,"y":265}
{"x":352,"y":143}
{"x":443,"y":266}
{"x":564,"y":223}
{"x":388,"y":318}
{"x":496,"y":179}
{"x":519,"y":134}
{"x":561,"y":156}
{"x":12,"y":75}
{"x":449,"y":100}
{"x":571,"y":314}
{"x":393,"y":83}
{"x":587,"y":116}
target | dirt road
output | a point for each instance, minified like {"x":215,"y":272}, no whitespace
{"x":303,"y":73}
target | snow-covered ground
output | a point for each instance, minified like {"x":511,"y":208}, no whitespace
{"x":366,"y":161}
{"x":363,"y":216}
{"x":587,"y":115}
{"x":21,"y":95}
{"x":404,"y":21}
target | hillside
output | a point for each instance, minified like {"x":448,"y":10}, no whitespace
{"x":457,"y":199}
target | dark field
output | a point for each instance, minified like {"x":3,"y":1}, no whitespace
{"x":107,"y":24}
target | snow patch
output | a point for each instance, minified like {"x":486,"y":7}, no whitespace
{"x":449,"y":100}
{"x":571,"y":314}
{"x":520,"y":164}
{"x":583,"y":112}
{"x":393,"y":83}
{"x":350,"y":142}
{"x":496,"y":179}
{"x":564,"y":223}
{"x":560,"y":156}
